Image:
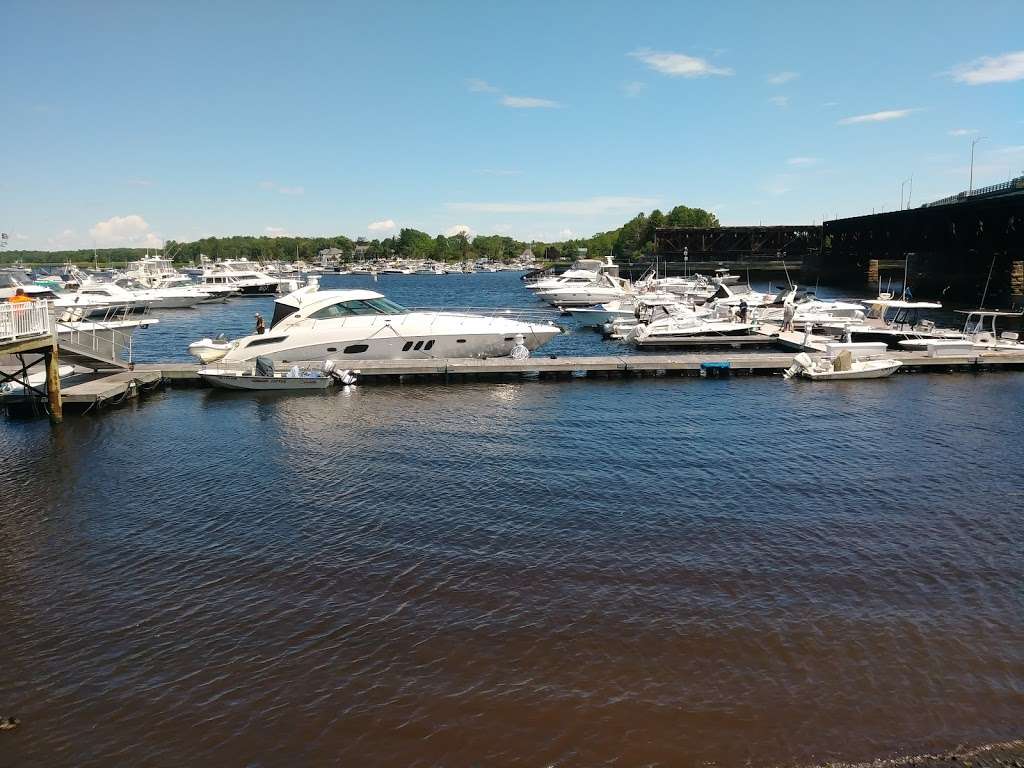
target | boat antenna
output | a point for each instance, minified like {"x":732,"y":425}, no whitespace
{"x":987,"y":281}
{"x":906,"y":267}
{"x":785,"y":270}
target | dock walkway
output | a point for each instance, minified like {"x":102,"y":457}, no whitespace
{"x":114,"y":388}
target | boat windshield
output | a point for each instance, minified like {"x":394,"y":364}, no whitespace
{"x":379,"y":306}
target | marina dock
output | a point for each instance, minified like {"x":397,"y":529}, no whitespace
{"x":113,"y":388}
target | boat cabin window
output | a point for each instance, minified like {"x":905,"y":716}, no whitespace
{"x":265,"y":340}
{"x":355,"y":349}
{"x":281,"y":311}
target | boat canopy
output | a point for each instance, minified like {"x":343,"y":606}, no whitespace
{"x":899,"y":304}
{"x":989,"y":313}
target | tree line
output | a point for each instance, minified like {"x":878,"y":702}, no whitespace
{"x":632,"y":240}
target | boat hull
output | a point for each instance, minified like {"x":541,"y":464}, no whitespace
{"x":867,"y":369}
{"x":237,"y":381}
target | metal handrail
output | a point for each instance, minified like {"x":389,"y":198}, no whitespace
{"x":25,"y":319}
{"x":118,"y":342}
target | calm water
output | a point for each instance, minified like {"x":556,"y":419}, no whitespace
{"x":640,"y":572}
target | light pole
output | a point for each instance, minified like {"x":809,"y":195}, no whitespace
{"x":970,"y":186}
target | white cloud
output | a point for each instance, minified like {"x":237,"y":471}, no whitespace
{"x":963,"y":132}
{"x":567,"y":234}
{"x":781,"y":185}
{"x":528,"y":102}
{"x":830,"y":104}
{"x":384,"y":225}
{"x":129,"y":230}
{"x":65,"y":239}
{"x":19,"y":236}
{"x":781,"y":78}
{"x":140,"y":182}
{"x":588,"y":207}
{"x":678,"y":64}
{"x":991,"y":69}
{"x":480,"y":86}
{"x":779,"y":101}
{"x":877,"y":117}
{"x":460,"y":229}
{"x":803,"y":161}
{"x":634,"y":88}
{"x":275,"y":231}
{"x":284,"y":190}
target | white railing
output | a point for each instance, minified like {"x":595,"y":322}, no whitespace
{"x":25,"y":320}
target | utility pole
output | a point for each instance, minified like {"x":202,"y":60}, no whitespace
{"x":970,"y":187}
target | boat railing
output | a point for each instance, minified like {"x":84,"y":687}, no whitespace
{"x":25,"y":320}
{"x":522,"y":314}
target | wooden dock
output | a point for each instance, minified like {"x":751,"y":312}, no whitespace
{"x":111,"y":389}
{"x":118,"y":386}
{"x":740,"y":363}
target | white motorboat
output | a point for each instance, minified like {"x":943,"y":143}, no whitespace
{"x":310,"y":324}
{"x":979,"y":334}
{"x":675,"y":326}
{"x":210,"y":350}
{"x":151,"y":270}
{"x":605,"y":288}
{"x":620,"y":309}
{"x":127,"y":292}
{"x":242,"y":275}
{"x":580,"y":272}
{"x":724,"y":277}
{"x":214,"y":293}
{"x":841,"y":368}
{"x":893,"y":321}
{"x":262,"y":377}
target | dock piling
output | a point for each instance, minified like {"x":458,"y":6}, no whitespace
{"x":53,"y":395}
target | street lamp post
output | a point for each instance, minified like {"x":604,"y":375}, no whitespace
{"x":970,"y":186}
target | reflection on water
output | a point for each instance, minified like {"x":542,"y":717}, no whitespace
{"x":661,"y":571}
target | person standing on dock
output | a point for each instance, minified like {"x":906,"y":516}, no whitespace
{"x":743,"y":310}
{"x":788,"y":313}
{"x":261,"y":327}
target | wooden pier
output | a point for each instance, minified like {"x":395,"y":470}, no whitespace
{"x":113,"y":388}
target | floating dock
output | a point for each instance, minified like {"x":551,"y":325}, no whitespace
{"x":114,"y":388}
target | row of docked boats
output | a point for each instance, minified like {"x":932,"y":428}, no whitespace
{"x":697,"y":311}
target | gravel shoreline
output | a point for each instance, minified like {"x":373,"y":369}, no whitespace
{"x":1004,"y":754}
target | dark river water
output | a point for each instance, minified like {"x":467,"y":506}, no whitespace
{"x":673,"y":572}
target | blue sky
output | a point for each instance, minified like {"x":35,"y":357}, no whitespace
{"x":127,"y":123}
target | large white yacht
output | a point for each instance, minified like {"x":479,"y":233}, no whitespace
{"x":241,"y":274}
{"x":605,"y":288}
{"x":352,"y":325}
{"x":581,"y":272}
{"x":127,"y":290}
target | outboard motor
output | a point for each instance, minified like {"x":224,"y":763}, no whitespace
{"x":800,"y":363}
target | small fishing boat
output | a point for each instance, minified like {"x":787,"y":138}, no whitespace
{"x":262,"y":377}
{"x":210,"y":350}
{"x":842,"y":368}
